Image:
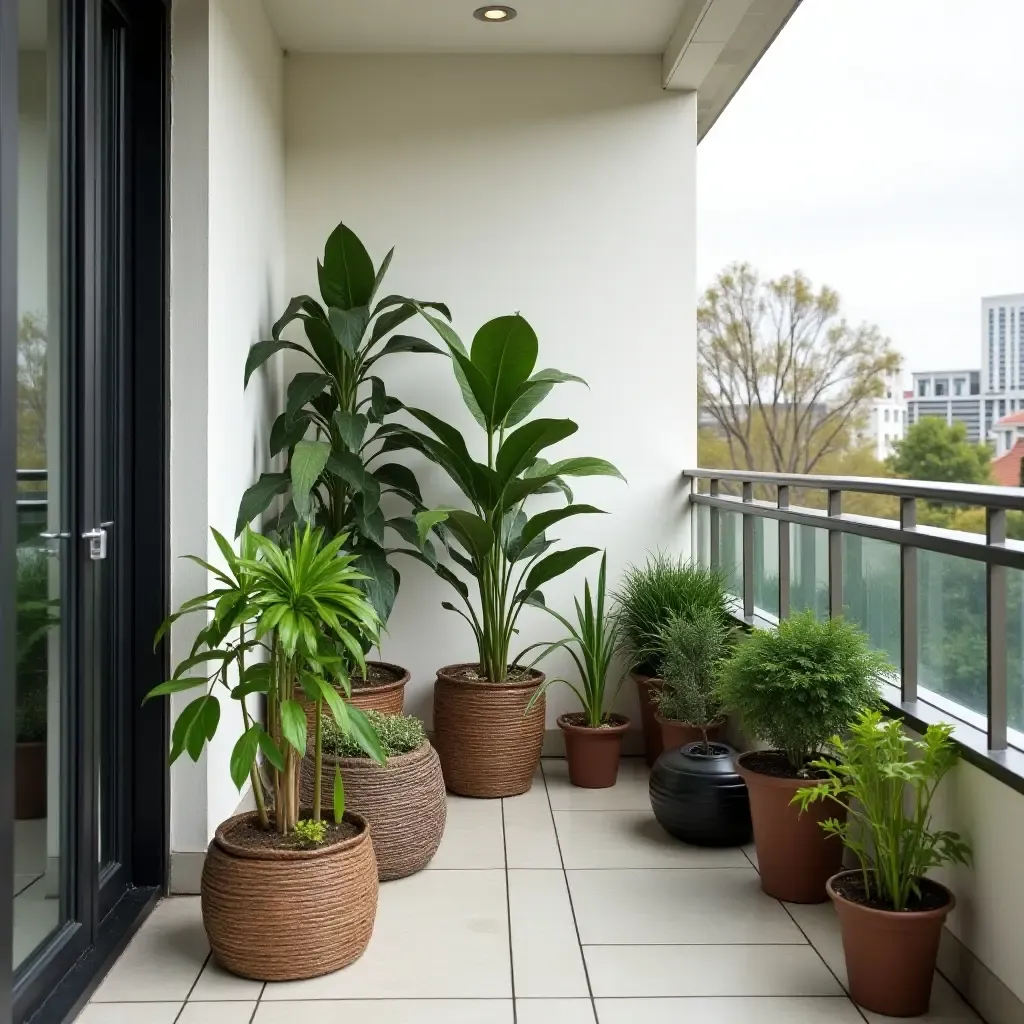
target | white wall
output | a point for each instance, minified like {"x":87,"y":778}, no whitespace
{"x":227,"y":286}
{"x":562,"y":187}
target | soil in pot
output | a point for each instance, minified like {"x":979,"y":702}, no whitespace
{"x":679,"y":734}
{"x":275,"y":910}
{"x":383,"y":689}
{"x":29,"y":781}
{"x":593,"y":753}
{"x":890,"y":955}
{"x":489,"y":746}
{"x":698,"y":796}
{"x":795,"y":856}
{"x":645,"y":687}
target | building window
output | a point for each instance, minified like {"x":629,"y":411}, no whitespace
{"x":1002,"y":348}
{"x":941,"y":388}
{"x":1002,"y":408}
{"x":886,"y":415}
{"x":958,"y":386}
{"x":922,"y":388}
{"x":975,"y":383}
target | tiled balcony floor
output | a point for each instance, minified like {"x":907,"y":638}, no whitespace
{"x":563,"y":906}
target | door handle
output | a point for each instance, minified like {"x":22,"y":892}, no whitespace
{"x":97,"y":538}
{"x":53,"y":552}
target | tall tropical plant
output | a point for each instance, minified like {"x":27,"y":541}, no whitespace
{"x":494,"y":542}
{"x":292,"y":608}
{"x":330,"y":427}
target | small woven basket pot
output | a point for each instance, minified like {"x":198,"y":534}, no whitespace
{"x":489,"y":746}
{"x":284,"y":915}
{"x":387,"y":698}
{"x":404,"y":803}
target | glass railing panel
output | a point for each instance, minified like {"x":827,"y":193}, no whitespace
{"x":808,"y":570}
{"x":731,"y":551}
{"x":766,"y":566}
{"x":871,"y":591}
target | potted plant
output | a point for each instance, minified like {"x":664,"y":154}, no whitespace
{"x":649,"y":597}
{"x":794,"y":687}
{"x":489,"y":746}
{"x":403,"y":800}
{"x":283,"y":896}
{"x":890,"y":913}
{"x":333,"y":434}
{"x":593,"y":737}
{"x":696,"y":793}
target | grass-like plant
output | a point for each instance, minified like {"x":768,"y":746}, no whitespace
{"x":887,"y":780}
{"x":800,"y":684}
{"x":651,"y":595}
{"x":398,"y":734}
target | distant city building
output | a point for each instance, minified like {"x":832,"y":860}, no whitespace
{"x":885,"y":418}
{"x":954,"y":396}
{"x":1002,"y":358}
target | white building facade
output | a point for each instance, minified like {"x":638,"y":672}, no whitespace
{"x":885,"y":420}
{"x":953,"y":396}
{"x":1002,"y":357}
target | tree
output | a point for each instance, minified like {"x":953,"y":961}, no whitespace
{"x":781,"y":372}
{"x":31,"y":392}
{"x":933,"y":450}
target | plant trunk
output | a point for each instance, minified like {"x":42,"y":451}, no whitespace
{"x":318,"y":761}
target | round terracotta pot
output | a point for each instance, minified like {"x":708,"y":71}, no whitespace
{"x":890,"y":955}
{"x":488,"y":744}
{"x":387,"y":698}
{"x":404,"y":802}
{"x":593,"y":754}
{"x":794,"y":855}
{"x":30,"y":781}
{"x":645,"y":687}
{"x":676,"y":734}
{"x":283,"y":915}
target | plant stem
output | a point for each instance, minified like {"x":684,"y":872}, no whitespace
{"x":318,"y":760}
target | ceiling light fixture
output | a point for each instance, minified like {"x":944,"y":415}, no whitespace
{"x":495,"y":13}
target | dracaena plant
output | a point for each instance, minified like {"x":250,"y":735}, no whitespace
{"x":329,"y":427}
{"x":276,"y":620}
{"x":494,"y":542}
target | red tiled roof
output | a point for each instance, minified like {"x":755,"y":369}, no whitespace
{"x":1009,"y":421}
{"x":1006,"y":469}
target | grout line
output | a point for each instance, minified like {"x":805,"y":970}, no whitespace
{"x":259,"y":999}
{"x":192,"y":987}
{"x":568,"y":892}
{"x":508,"y":912}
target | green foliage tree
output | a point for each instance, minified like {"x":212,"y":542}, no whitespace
{"x":935,"y":450}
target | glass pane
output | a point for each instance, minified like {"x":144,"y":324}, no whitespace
{"x":766,"y":566}
{"x":1015,"y":647}
{"x":951,"y":635}
{"x":42,"y":567}
{"x":871,"y":591}
{"x":731,"y":550}
{"x":701,"y":534}
{"x":808,"y":569}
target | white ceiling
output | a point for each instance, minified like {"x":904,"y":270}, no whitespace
{"x":448,"y":26}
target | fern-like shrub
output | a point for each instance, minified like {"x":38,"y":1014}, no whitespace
{"x":797,"y":685}
{"x":399,"y":734}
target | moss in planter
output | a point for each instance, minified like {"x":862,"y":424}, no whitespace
{"x":399,"y":734}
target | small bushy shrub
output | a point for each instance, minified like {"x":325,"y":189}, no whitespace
{"x":311,"y":833}
{"x":399,"y":734}
{"x":797,"y":685}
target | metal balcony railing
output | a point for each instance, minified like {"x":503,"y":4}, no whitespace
{"x":940,"y":601}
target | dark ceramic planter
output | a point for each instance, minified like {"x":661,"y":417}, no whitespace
{"x":29,"y":781}
{"x":700,"y":798}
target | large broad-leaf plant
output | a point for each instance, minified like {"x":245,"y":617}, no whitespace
{"x":330,"y":427}
{"x":504,"y":551}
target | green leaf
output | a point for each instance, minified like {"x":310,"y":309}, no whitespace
{"x":555,"y":565}
{"x":381,"y":274}
{"x":293,"y":725}
{"x":257,"y":498}
{"x":349,"y":326}
{"x":426,"y":521}
{"x":175,"y":686}
{"x":339,"y":795}
{"x":398,"y":477}
{"x":505,"y":352}
{"x":455,"y":346}
{"x":351,"y":469}
{"x":244,"y":754}
{"x":351,"y":427}
{"x":370,"y":523}
{"x":346,"y":275}
{"x":381,"y":584}
{"x":364,"y":734}
{"x":473,"y":532}
{"x":390,"y":320}
{"x":540,"y":522}
{"x":324,"y":344}
{"x":522,"y":445}
{"x":196,"y":724}
{"x":584,"y":466}
{"x":263,"y":350}
{"x":301,"y":390}
{"x":405,"y":343}
{"x":201,"y":659}
{"x":534,"y":391}
{"x":302,"y":306}
{"x":286,"y":432}
{"x":308,"y":462}
{"x":271,"y":751}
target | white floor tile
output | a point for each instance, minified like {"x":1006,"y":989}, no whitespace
{"x":640,"y":971}
{"x":472,"y":835}
{"x":751,"y":853}
{"x":438,"y":935}
{"x":630,"y":793}
{"x":698,"y":906}
{"x":219,"y":1012}
{"x":764,"y":1010}
{"x":30,"y":846}
{"x":129,"y":1013}
{"x":35,"y":917}
{"x":387,"y":1011}
{"x":545,"y":950}
{"x":555,"y":1011}
{"x":529,"y":831}
{"x":22,"y":881}
{"x":163,"y":960}
{"x":632,"y":839}
{"x":215,"y":983}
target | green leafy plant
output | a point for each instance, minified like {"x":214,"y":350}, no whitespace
{"x":801,"y":683}
{"x":398,"y":734}
{"x":887,"y":780}
{"x":494,"y":542}
{"x":651,"y":595}
{"x":331,"y":426}
{"x":293,"y":608}
{"x":311,"y":832}
{"x":695,"y":650}
{"x":592,"y":644}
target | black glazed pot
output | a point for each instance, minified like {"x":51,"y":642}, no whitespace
{"x":699,"y":797}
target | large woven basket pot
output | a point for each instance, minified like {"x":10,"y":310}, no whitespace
{"x":387,"y":698}
{"x":284,"y":915}
{"x":404,"y":803}
{"x":489,"y":746}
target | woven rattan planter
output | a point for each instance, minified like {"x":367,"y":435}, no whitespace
{"x":488,"y":745}
{"x":283,"y":915}
{"x":387,"y":698}
{"x":404,"y":804}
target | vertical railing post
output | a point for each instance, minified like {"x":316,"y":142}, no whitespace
{"x":714,"y":525}
{"x":748,"y":553}
{"x":996,"y":619}
{"x":784,"y":566}
{"x":908,"y":604}
{"x":835,"y":557}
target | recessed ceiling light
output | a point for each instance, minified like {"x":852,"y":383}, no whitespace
{"x":496,"y":13}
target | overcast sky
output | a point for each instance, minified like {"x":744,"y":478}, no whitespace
{"x":879,"y":147}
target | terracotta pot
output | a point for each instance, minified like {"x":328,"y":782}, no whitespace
{"x":283,"y":915}
{"x":890,"y":956}
{"x":645,"y":685}
{"x":387,"y":698}
{"x":794,"y":855}
{"x":679,"y":734}
{"x":30,"y":781}
{"x":593,"y":754}
{"x":489,"y":746}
